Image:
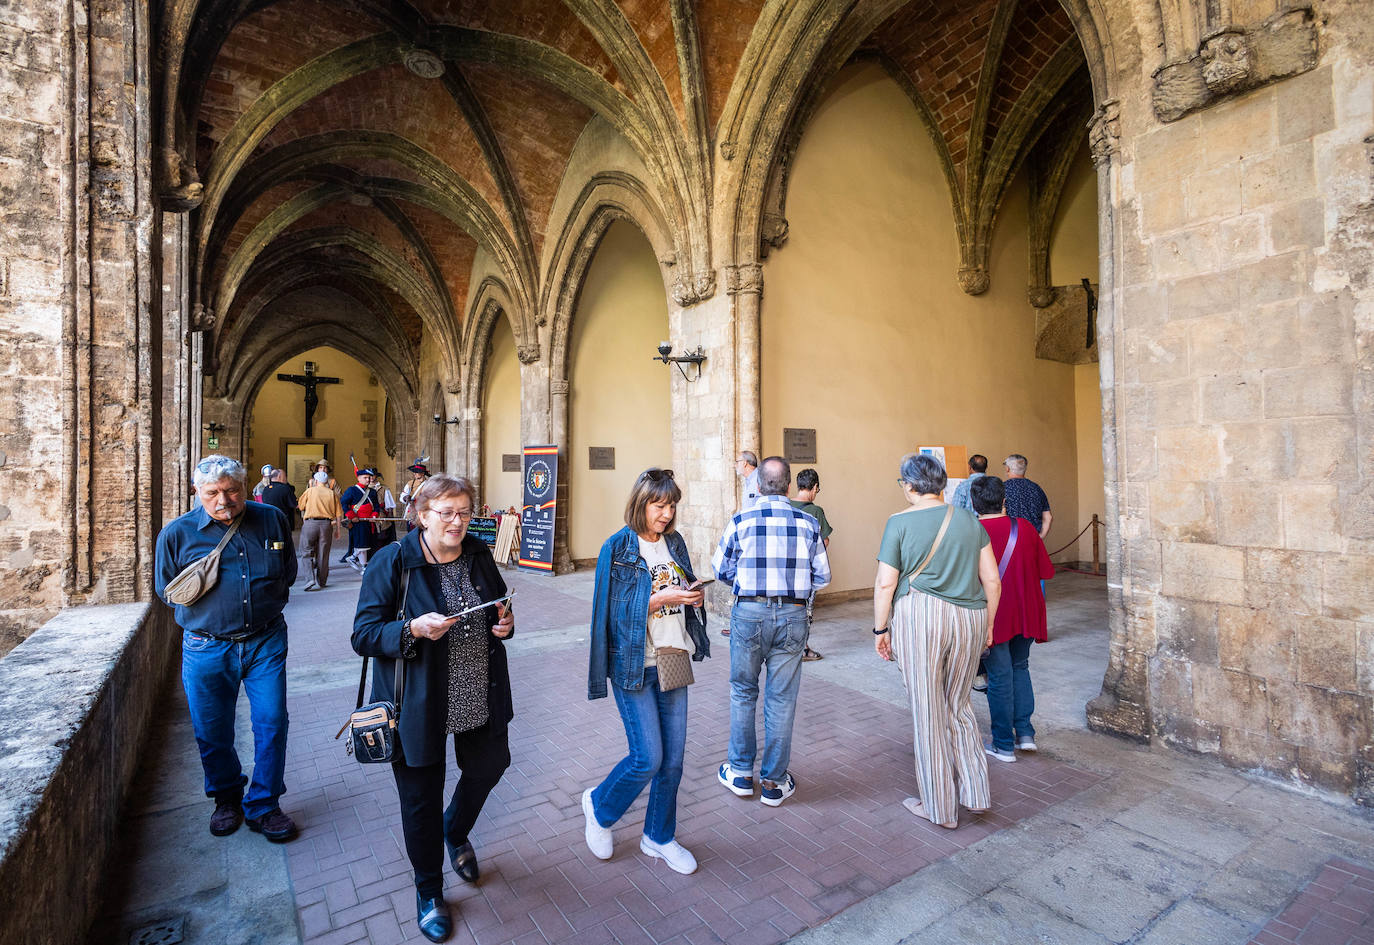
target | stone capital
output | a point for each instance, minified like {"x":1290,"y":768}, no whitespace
{"x":974,"y":280}
{"x":745,"y":278}
{"x":528,"y":354}
{"x":558,"y":387}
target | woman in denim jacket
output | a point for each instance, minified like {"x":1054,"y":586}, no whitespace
{"x":644,"y":600}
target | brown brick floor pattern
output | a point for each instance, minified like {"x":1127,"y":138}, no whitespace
{"x":1336,"y":908}
{"x":765,"y":874}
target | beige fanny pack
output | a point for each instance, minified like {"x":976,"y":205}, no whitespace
{"x":199,"y":576}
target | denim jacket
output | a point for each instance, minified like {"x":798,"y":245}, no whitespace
{"x":620,"y":613}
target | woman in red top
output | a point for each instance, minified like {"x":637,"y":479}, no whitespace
{"x":1020,"y":620}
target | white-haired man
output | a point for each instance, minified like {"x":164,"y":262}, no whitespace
{"x":233,"y":635}
{"x":320,"y":509}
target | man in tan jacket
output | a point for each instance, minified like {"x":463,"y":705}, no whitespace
{"x":319,"y":507}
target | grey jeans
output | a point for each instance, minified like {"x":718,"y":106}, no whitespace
{"x":317,"y":535}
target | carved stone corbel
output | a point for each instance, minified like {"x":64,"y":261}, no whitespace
{"x":202,"y":318}
{"x":181,"y":189}
{"x":1104,"y":132}
{"x":453,"y":386}
{"x":974,"y":280}
{"x":1226,"y":61}
{"x":747,"y":278}
{"x":693,"y":288}
{"x":528,"y":354}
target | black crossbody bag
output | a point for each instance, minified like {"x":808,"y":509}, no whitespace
{"x":372,"y":727}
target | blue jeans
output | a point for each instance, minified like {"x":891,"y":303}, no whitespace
{"x":774,"y":635}
{"x":212,"y":671}
{"x":656,"y":729}
{"x":1011,"y":700}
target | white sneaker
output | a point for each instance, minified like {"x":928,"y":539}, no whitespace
{"x":678,"y":857}
{"x":737,"y":783}
{"x":1025,"y":743}
{"x":599,"y":839}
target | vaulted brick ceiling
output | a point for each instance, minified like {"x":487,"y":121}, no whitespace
{"x":426,"y":129}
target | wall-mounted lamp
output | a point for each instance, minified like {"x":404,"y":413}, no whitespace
{"x":439,"y":419}
{"x":665,"y":354}
{"x":214,"y":430}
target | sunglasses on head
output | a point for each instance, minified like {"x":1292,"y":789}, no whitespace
{"x":657,"y":475}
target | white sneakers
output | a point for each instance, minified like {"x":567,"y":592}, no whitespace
{"x":599,"y":839}
{"x":602,"y":844}
{"x":1025,"y":743}
{"x":678,"y":857}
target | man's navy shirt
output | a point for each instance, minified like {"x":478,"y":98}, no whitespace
{"x":256,"y":571}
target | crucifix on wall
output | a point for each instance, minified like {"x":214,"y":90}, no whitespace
{"x":309,"y":380}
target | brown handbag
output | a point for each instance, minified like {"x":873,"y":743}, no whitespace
{"x":199,"y":576}
{"x":674,"y":668}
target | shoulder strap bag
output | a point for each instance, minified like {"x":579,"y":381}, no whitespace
{"x":1006,"y":552}
{"x":939,"y":537}
{"x":199,"y":576}
{"x":372,"y":727}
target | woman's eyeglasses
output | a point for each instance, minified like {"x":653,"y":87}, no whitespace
{"x":448,"y":515}
{"x":657,"y":475}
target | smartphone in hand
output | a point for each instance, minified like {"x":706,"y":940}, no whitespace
{"x":700,"y":583}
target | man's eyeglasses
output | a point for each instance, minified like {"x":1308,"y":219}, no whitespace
{"x":657,"y":475}
{"x":448,"y":515}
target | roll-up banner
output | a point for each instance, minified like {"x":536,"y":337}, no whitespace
{"x":537,"y":511}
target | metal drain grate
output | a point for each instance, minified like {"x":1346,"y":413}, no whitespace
{"x":164,"y":932}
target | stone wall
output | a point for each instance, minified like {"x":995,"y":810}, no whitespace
{"x":79,"y":693}
{"x":1244,"y":416}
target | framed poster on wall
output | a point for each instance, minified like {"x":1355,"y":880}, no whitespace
{"x":299,"y":458}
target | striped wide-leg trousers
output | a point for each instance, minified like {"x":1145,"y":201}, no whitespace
{"x":937,"y":646}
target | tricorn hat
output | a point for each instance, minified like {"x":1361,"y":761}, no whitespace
{"x":418,"y":468}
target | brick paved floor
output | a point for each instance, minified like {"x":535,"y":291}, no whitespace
{"x":1336,"y":908}
{"x":764,"y":875}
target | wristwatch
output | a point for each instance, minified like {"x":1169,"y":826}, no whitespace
{"x":878,"y":633}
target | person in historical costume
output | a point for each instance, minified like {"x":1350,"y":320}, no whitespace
{"x":361,"y":504}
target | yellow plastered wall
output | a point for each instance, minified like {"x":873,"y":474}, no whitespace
{"x":501,"y":419}
{"x":279,"y":411}
{"x":1073,"y":255}
{"x":868,"y":338}
{"x":618,"y":395}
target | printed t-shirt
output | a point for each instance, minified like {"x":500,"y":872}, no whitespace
{"x":816,"y":512}
{"x":1025,"y":499}
{"x":952,"y":574}
{"x":667,"y":625}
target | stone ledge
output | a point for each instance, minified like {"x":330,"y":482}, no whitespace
{"x":76,"y":698}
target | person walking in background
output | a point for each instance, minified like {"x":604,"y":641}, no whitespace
{"x":747,"y":468}
{"x":419,"y":472}
{"x":281,"y":495}
{"x":233,"y":636}
{"x":774,"y":558}
{"x":644,"y":579}
{"x":361,"y":504}
{"x":808,"y":487}
{"x":261,"y":485}
{"x":937,"y":586}
{"x":1022,"y":563}
{"x":321,"y":512}
{"x":454,"y":677}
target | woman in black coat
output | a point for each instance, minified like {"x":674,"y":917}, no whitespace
{"x":455,"y":681}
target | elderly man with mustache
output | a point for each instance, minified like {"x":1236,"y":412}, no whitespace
{"x":233,"y":635}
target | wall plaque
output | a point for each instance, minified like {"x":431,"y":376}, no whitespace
{"x":510,"y":462}
{"x":601,"y":457}
{"x":798,"y":446}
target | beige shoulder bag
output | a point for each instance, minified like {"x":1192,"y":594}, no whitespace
{"x":199,"y":576}
{"x":939,"y":537}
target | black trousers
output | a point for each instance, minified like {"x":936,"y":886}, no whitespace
{"x":483,"y":755}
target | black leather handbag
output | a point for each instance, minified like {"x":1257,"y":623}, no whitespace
{"x":372,"y":728}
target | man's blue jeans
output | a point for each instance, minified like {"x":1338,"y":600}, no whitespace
{"x":212,"y":671}
{"x":1011,"y":699}
{"x":774,"y":635}
{"x":656,"y":729}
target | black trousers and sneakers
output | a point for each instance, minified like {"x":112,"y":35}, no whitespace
{"x":482,"y":755}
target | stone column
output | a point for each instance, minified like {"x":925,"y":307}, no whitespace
{"x":1123,"y":706}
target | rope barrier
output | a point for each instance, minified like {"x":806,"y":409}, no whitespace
{"x":1075,"y":538}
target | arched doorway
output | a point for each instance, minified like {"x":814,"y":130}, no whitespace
{"x":618,"y":396}
{"x":501,"y":419}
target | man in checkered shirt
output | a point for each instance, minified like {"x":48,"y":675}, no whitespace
{"x":774,"y":556}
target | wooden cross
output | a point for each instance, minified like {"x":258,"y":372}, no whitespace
{"x":308,"y":380}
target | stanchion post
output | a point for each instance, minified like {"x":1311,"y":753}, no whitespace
{"x":1097,"y":556}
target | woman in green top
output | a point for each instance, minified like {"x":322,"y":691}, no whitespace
{"x":937,"y":583}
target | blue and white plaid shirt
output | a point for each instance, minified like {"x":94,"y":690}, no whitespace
{"x":772,"y":549}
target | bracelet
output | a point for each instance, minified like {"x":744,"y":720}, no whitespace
{"x":878,"y":633}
